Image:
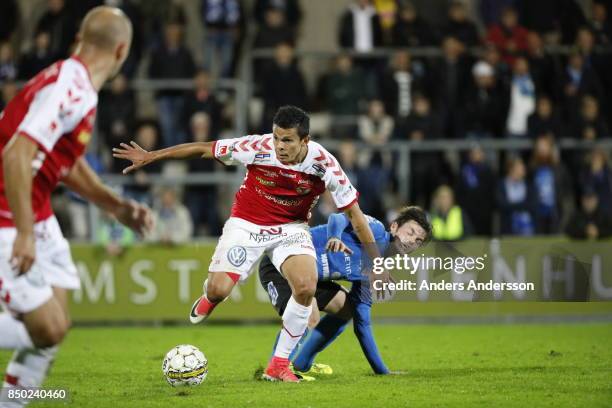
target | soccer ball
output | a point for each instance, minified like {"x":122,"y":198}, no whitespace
{"x":185,"y":365}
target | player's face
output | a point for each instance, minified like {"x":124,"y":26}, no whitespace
{"x":409,"y":236}
{"x":288,"y":146}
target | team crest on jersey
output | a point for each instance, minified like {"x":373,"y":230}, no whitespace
{"x":84,"y":137}
{"x":236,"y":255}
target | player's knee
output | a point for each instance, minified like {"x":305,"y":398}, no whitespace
{"x":304,"y":290}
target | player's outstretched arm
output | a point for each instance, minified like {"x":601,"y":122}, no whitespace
{"x":17,"y":160}
{"x":140,"y":157}
{"x":362,"y":229}
{"x":84,"y":181}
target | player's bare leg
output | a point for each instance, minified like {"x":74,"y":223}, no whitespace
{"x":45,"y":327}
{"x":215,"y":290}
{"x":300,"y":272}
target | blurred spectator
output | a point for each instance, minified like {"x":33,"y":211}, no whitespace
{"x":490,"y":11}
{"x":502,"y":70}
{"x":8,"y":66}
{"x":283,"y":84}
{"x":516,"y":200}
{"x":427,"y":168}
{"x":590,"y":221}
{"x":589,"y":125}
{"x":449,"y":220}
{"x":222,"y":20}
{"x":452,"y":79}
{"x":508,"y":36}
{"x":411,"y":30}
{"x":147,"y":137}
{"x":551,"y":185}
{"x":476,"y":180}
{"x":372,"y":179}
{"x":274,"y":31}
{"x":201,"y":200}
{"x":577,"y":80}
{"x":9,"y":18}
{"x":345,"y":92}
{"x":376,"y":126}
{"x":113,"y":236}
{"x":398,"y":84}
{"x":597,"y":175}
{"x":292,"y":13}
{"x":522,"y":99}
{"x":544,"y":121}
{"x":116,"y":115}
{"x":484,"y":108}
{"x":61,"y":24}
{"x":202,"y":99}
{"x":387,"y":13}
{"x":542,"y":65}
{"x":600,"y":24}
{"x":38,"y":58}
{"x":459,"y":26}
{"x":360,"y":27}
{"x":171,"y":61}
{"x":8,"y":91}
{"x":555,"y":20}
{"x":173,"y":225}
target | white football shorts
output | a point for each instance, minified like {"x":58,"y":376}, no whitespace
{"x":53,"y":267}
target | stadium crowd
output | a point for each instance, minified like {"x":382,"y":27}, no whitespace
{"x":492,"y":75}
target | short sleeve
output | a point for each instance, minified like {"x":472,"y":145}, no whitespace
{"x":338,"y":184}
{"x":43,"y":122}
{"x":241,"y":150}
{"x":56,"y":109}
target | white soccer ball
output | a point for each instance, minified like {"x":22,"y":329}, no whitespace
{"x":185,"y":365}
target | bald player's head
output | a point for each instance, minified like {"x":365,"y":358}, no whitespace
{"x":107,"y":30}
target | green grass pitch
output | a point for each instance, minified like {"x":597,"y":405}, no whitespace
{"x":551,"y":365}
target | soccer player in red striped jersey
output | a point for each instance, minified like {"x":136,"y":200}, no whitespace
{"x":286,"y":173}
{"x":44,"y":132}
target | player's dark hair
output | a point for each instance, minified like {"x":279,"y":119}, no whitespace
{"x":417,"y":214}
{"x":292,"y":117}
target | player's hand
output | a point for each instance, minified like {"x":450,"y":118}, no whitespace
{"x":384,"y":277}
{"x":136,"y":216}
{"x":134,"y":153}
{"x":336,"y":245}
{"x":24,"y":253}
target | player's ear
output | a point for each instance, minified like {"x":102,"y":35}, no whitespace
{"x":393,"y":228}
{"x":306,"y":139}
{"x":121,"y":52}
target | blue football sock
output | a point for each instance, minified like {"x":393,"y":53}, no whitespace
{"x":320,"y":337}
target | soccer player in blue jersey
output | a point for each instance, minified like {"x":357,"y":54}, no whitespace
{"x":340,"y":257}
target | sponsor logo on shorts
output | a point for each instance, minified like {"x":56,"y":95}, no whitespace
{"x":236,"y":255}
{"x":267,"y":234}
{"x":265,"y":182}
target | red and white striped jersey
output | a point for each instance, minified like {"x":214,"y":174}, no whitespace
{"x":274,"y":193}
{"x":56,"y":109}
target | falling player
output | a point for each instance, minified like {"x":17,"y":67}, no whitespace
{"x":340,"y":257}
{"x":44,"y":131}
{"x":286,"y":174}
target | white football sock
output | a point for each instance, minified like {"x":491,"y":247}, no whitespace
{"x":295,"y":322}
{"x":27,"y":368}
{"x":14,"y":333}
